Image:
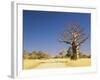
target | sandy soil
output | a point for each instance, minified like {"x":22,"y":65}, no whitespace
{"x":55,"y":63}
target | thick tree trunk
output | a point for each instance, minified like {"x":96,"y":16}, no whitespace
{"x":75,"y":51}
{"x":78,"y":51}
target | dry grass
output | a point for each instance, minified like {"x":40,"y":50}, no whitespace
{"x":31,"y":63}
{"x":79,"y":63}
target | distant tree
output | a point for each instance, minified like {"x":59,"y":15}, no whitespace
{"x":39,"y":55}
{"x":26,"y":54}
{"x":61,"y":55}
{"x":43,"y":55}
{"x":75,"y":36}
{"x":85,"y":55}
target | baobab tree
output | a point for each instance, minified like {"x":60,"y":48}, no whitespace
{"x":75,"y":36}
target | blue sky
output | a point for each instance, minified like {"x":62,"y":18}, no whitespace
{"x":41,"y":30}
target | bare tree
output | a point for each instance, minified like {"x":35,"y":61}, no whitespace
{"x":74,"y":35}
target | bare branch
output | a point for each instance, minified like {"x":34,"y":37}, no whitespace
{"x":65,"y":42}
{"x":83,"y":41}
{"x":73,"y":32}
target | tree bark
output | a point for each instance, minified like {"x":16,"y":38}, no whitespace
{"x":75,"y":51}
